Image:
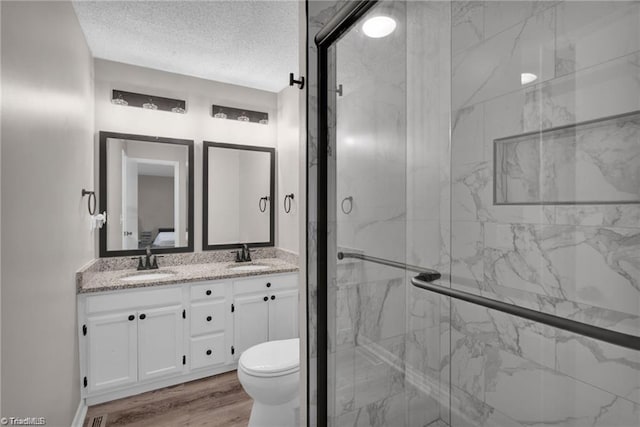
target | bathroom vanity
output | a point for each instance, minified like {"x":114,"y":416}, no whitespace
{"x":193,"y":321}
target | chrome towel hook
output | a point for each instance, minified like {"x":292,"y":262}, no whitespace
{"x":347,"y":199}
{"x":289,"y":198}
{"x":91,"y":203}
{"x":263,"y":206}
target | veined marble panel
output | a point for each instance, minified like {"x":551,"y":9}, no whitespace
{"x":501,"y":15}
{"x":469,"y":411}
{"x":467,"y":24}
{"x":379,"y":370}
{"x":493,"y":67}
{"x":590,"y":33}
{"x":390,"y":411}
{"x":552,"y":398}
{"x":595,"y":266}
{"x":606,"y":366}
{"x":380,"y":310}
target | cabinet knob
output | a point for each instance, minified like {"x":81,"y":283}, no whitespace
{"x":208,"y":292}
{"x":266,"y":298}
{"x":273,"y":297}
{"x":208,"y":352}
{"x":208,"y":318}
{"x":268,"y":284}
{"x":131,"y":317}
{"x":143,"y":316}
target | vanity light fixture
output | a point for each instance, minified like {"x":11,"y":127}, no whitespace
{"x":119,"y":100}
{"x":149,"y":102}
{"x":220,"y":114}
{"x":178,"y":109}
{"x":241,"y":115}
{"x":150,"y":105}
{"x":379,"y":26}
{"x":526,"y":78}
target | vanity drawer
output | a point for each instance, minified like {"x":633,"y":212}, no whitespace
{"x":208,"y":291}
{"x":207,"y":351}
{"x":208,"y":317}
{"x":265,"y":283}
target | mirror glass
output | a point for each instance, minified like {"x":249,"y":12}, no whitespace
{"x":238,"y":195}
{"x":146,"y":188}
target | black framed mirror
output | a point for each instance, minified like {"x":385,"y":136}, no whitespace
{"x":146,"y":188}
{"x":238,"y":196}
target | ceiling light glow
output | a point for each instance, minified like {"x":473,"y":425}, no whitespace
{"x":526,"y":78}
{"x":379,"y":26}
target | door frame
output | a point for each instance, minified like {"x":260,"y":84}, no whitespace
{"x":338,"y":25}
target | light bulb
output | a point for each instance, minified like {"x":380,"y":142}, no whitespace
{"x":526,"y":78}
{"x":379,"y":26}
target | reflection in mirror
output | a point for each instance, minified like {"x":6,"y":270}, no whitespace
{"x":146,"y":188}
{"x":238,"y":205}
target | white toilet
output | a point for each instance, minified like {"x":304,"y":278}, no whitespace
{"x":270,"y":373}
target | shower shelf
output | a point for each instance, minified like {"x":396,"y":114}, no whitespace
{"x":580,"y":163}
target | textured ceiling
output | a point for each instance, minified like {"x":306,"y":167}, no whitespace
{"x":248,"y":43}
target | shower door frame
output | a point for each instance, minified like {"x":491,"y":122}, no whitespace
{"x":338,"y":25}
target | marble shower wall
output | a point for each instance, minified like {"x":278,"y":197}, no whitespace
{"x":577,"y":261}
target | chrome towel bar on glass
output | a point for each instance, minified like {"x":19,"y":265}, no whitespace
{"x":426,"y":276}
{"x":602,"y":334}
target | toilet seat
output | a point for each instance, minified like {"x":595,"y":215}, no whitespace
{"x":272,"y":358}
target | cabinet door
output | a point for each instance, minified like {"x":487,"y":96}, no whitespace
{"x":283,"y":315}
{"x":112,"y":349}
{"x":160,"y":350}
{"x":250,"y":322}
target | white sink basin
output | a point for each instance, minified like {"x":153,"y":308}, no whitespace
{"x":147,"y":276}
{"x":249,"y":267}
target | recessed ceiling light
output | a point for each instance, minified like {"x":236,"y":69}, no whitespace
{"x":379,"y":26}
{"x":526,"y":78}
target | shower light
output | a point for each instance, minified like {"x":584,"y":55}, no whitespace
{"x":526,"y":78}
{"x":379,"y":26}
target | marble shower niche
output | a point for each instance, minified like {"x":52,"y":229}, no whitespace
{"x":592,"y":162}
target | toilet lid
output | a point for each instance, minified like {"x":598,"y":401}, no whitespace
{"x":272,"y":357}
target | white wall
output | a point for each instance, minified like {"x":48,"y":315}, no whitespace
{"x":47,"y":153}
{"x":197,"y":124}
{"x":289,"y":118}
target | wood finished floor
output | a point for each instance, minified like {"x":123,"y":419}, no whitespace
{"x":216,"y":401}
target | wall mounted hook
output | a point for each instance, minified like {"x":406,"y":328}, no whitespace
{"x":300,"y":82}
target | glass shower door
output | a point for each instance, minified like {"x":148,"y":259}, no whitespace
{"x":385,"y":201}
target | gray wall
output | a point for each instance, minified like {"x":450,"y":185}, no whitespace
{"x":47,"y":158}
{"x":155,"y":203}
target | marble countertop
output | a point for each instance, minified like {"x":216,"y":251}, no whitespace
{"x":101,"y":281}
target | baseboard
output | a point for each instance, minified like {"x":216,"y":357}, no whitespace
{"x":81,"y":414}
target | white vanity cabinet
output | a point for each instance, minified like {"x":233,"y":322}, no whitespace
{"x":141,"y":339}
{"x":129,"y":337}
{"x":265,"y":308}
